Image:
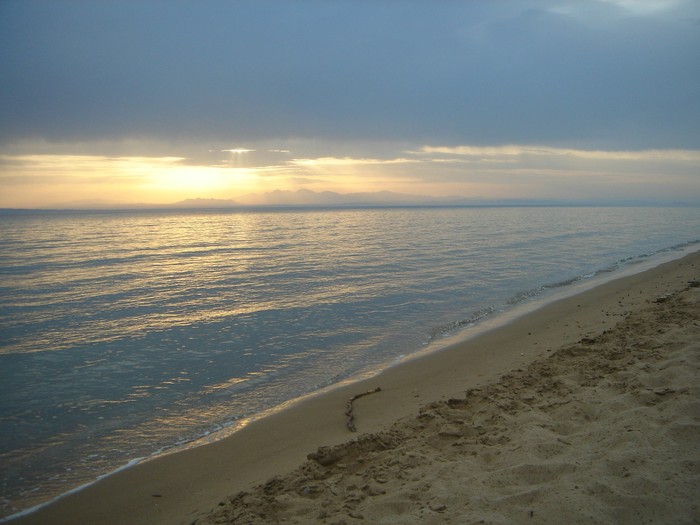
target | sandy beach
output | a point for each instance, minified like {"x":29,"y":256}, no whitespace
{"x":586,"y":410}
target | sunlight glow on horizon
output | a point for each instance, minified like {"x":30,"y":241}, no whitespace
{"x":130,"y":179}
{"x":195,"y":180}
{"x":491,"y":172}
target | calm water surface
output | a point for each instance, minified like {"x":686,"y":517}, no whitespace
{"x":125,"y":333}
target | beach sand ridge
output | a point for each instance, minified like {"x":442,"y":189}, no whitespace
{"x":605,"y":430}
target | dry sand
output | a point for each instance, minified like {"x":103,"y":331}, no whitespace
{"x":585,"y":411}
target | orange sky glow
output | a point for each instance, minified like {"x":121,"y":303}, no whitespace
{"x":54,"y":180}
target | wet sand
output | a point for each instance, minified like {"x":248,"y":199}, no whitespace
{"x":589,"y":406}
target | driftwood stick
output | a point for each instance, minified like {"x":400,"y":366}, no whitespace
{"x":349,"y":408}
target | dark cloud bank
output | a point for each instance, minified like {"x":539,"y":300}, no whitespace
{"x":586,"y":74}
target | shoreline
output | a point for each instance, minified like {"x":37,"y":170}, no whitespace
{"x":606,"y":429}
{"x":154,"y":490}
{"x":522,"y":302}
{"x":497,"y":316}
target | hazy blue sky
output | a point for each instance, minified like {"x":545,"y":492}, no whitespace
{"x":156,"y":100}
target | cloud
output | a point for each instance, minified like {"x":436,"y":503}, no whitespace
{"x":478,"y":72}
{"x":546,"y":170}
{"x":493,"y":153}
{"x":87,"y":164}
{"x":305,"y":181}
{"x":470,"y":170}
{"x":348,"y":161}
{"x":644,"y":7}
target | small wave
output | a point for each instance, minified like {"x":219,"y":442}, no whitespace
{"x":448,"y":328}
{"x":31,"y":510}
{"x":538,"y":291}
{"x":614,"y":267}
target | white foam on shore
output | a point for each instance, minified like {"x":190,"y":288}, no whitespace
{"x":30,"y":510}
{"x":507,"y":314}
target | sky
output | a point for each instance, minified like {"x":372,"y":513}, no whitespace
{"x":155,"y":101}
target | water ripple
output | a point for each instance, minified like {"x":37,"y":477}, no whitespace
{"x":122,"y":334}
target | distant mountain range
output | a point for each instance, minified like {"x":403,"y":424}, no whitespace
{"x":310,"y":198}
{"x":303,"y":197}
{"x":306,"y":197}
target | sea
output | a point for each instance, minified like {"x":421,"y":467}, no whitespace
{"x":128,"y":334}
